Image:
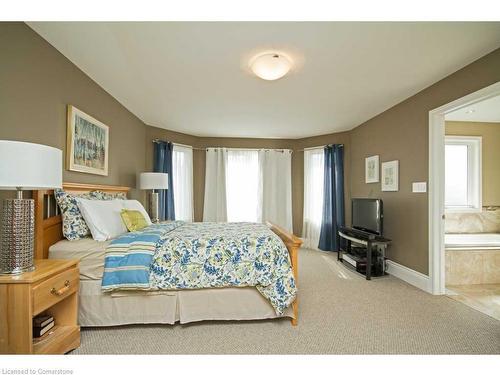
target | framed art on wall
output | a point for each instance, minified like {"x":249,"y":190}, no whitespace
{"x":390,"y":176}
{"x":87,"y":143}
{"x":372,"y":169}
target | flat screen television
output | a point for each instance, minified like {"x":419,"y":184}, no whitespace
{"x":368,"y":215}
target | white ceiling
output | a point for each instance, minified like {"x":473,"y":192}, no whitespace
{"x":194,"y":77}
{"x":484,"y":111}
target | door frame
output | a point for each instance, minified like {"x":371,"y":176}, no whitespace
{"x":436,"y":182}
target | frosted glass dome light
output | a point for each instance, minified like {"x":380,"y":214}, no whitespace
{"x":270,"y":66}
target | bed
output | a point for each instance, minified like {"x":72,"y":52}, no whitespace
{"x":120,"y":307}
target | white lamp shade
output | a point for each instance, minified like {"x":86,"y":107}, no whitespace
{"x":270,"y":66}
{"x":29,"y":166}
{"x":153,"y":180}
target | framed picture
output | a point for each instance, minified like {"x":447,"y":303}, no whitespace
{"x":88,"y":140}
{"x":372,"y":169}
{"x":390,"y":176}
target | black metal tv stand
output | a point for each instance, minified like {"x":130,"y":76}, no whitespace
{"x":361,"y":256}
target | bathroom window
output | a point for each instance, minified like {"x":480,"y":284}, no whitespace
{"x":462,"y":173}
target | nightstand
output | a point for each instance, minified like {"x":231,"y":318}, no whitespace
{"x":53,"y":288}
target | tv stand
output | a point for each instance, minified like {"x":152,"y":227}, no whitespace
{"x":361,"y":256}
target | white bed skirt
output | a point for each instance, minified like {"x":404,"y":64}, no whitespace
{"x":100,"y":310}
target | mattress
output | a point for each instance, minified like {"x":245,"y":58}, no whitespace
{"x":88,"y":251}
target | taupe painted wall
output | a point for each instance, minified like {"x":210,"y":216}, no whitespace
{"x":490,"y":133}
{"x":36,"y":84}
{"x":402,"y":133}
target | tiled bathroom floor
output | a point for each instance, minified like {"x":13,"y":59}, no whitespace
{"x":482,"y":297}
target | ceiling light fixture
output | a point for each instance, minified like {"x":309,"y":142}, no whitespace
{"x":470,"y":111}
{"x":270,"y":66}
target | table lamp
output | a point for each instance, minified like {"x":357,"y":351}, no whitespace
{"x":24,"y":166}
{"x":153,"y":181}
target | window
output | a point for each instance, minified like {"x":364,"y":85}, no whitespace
{"x":182,"y":170}
{"x":462,"y":173}
{"x":242,"y":185}
{"x":313,"y":196}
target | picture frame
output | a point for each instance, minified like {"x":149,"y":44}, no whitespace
{"x":372,"y":169}
{"x":87,"y":148}
{"x":390,"y":175}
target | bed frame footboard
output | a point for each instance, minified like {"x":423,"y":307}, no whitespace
{"x":293,"y":244}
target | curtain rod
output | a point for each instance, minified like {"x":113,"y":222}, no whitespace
{"x":317,"y":147}
{"x":251,"y":149}
{"x":156,"y":140}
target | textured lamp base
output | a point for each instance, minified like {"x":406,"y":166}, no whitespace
{"x":153,"y":208}
{"x":18,"y":229}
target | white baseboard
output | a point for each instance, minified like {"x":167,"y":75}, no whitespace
{"x":412,"y":277}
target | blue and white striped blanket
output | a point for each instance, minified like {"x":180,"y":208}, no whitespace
{"x":128,"y":258}
{"x":180,"y":255}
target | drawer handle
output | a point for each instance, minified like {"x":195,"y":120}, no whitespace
{"x":61,"y":291}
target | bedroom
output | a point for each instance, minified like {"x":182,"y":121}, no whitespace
{"x":347,"y":118}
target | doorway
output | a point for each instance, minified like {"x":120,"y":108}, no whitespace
{"x":463,"y":222}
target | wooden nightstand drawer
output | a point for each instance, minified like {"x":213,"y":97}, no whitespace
{"x":51,"y":287}
{"x":55,"y":289}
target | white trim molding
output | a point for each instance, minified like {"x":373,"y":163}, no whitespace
{"x":412,"y":277}
{"x":436,"y":182}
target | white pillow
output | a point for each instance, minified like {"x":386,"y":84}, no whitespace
{"x":136,"y":205}
{"x":103,"y":218}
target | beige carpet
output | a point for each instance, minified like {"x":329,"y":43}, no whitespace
{"x":340,"y":312}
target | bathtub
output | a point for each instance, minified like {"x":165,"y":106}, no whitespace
{"x":472,"y":259}
{"x":471,"y":241}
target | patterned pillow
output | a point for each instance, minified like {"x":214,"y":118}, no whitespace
{"x":74,"y":226}
{"x":103,"y":196}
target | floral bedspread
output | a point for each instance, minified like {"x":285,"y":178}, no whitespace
{"x":215,"y":255}
{"x":179,"y":255}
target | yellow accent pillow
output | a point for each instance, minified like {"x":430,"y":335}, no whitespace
{"x":134,"y":220}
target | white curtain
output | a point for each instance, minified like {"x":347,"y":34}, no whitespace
{"x":248,"y":185}
{"x":242,"y":184}
{"x":275,"y":187}
{"x":182,"y":170}
{"x":313,"y":197}
{"x":215,"y":206}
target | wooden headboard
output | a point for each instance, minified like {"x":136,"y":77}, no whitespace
{"x":48,"y":221}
